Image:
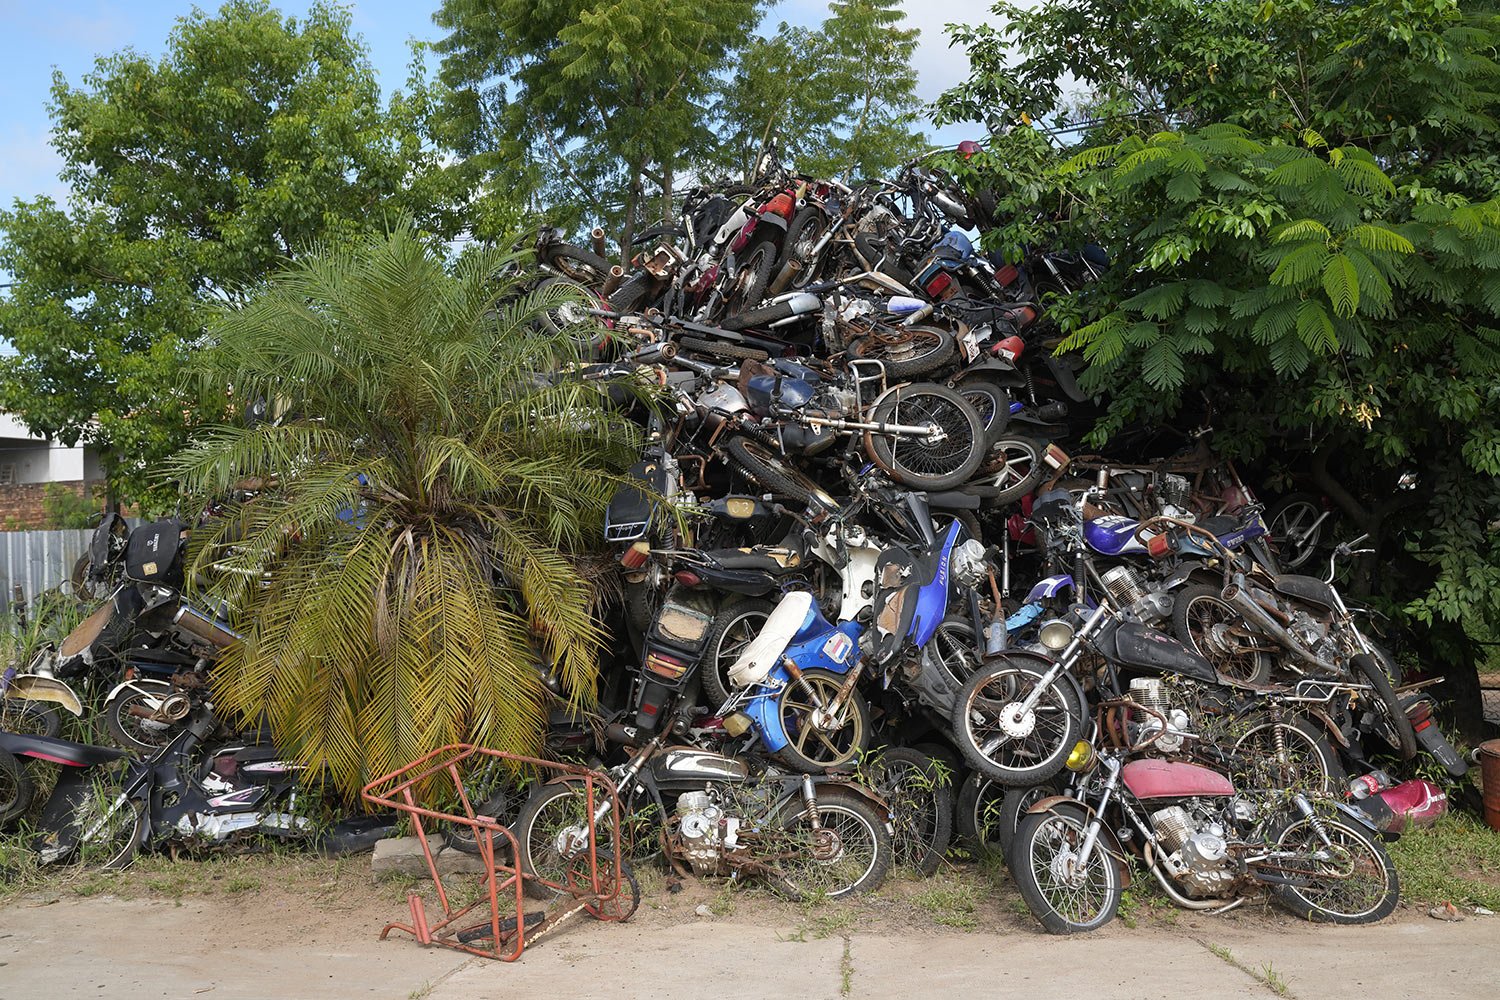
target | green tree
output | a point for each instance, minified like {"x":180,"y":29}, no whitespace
{"x":774,"y":94}
{"x":589,"y":101}
{"x":1299,"y":197}
{"x":417,"y":471}
{"x":190,"y":178}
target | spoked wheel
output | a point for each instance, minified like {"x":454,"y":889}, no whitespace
{"x":1003,"y":738}
{"x":567,"y":312}
{"x":1066,"y":897}
{"x":111,"y":832}
{"x":771,"y":471}
{"x":1013,"y":807}
{"x":939,"y":460}
{"x":921,"y":804}
{"x":1341,"y":873}
{"x":580,"y":265}
{"x":553,"y":833}
{"x":906,"y":351}
{"x":980,"y":801}
{"x":732,"y":630}
{"x":808,"y":226}
{"x":991,"y":402}
{"x":951,"y":649}
{"x":140,"y":718}
{"x":1203,"y":620}
{"x":752,"y":277}
{"x":15,"y":789}
{"x":29,"y":718}
{"x":1290,"y":755}
{"x":818,"y":741}
{"x":848,"y":853}
{"x":1011,"y":469}
{"x":1290,"y":529}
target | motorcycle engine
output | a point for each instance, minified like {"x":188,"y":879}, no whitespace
{"x":705,"y":832}
{"x":1313,"y":634}
{"x":1151,"y":692}
{"x":1197,"y":853}
{"x":1129,"y":590}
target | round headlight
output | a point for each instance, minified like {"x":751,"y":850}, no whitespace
{"x":1056,"y":635}
{"x":1081,"y":757}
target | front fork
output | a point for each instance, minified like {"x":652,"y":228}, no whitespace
{"x":832,"y":709}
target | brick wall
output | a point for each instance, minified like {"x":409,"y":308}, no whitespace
{"x":21,"y":504}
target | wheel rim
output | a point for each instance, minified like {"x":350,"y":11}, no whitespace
{"x":951,"y":649}
{"x":833,"y":860}
{"x":10,"y":790}
{"x":821,"y":746}
{"x":144,"y":731}
{"x":1079,"y":897}
{"x":984,"y":404}
{"x":911,"y":793}
{"x":1009,"y":465}
{"x":748,"y":276}
{"x":1213,"y":628}
{"x":922,"y":456}
{"x":557,"y":833}
{"x":1008,"y":739}
{"x":22,"y":718}
{"x":1290,"y":521}
{"x":763,"y":454}
{"x":898,"y":346}
{"x":114,"y":840}
{"x":1354,"y":877}
{"x":1283,"y":757}
{"x":739,"y":633}
{"x":989,"y":796}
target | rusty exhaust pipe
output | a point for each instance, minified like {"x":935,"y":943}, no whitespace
{"x":784,"y":277}
{"x":1238,"y":596}
{"x":597,"y":237}
{"x":615,"y":279}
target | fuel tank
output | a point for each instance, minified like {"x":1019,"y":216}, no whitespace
{"x":1166,"y":779}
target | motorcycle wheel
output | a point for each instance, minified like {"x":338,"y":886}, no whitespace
{"x":913,"y":461}
{"x":1286,"y":755}
{"x":1357,"y":885}
{"x":1064,"y":902}
{"x":29,"y":718}
{"x":921,"y":804}
{"x":733,"y":628}
{"x":1394,"y":725}
{"x":548,"y":821}
{"x":722,"y":349}
{"x":577,"y":264}
{"x":991,"y":402}
{"x":951,"y":649}
{"x":811,"y":750}
{"x":906,"y":351}
{"x":808,"y":226}
{"x":848,"y":854}
{"x":16,"y":789}
{"x":980,"y":801}
{"x":566,"y":318}
{"x":1010,"y":469}
{"x":757,"y":462}
{"x":123,"y":717}
{"x":1017,"y":751}
{"x":1199,"y":617}
{"x":752,"y":277}
{"x":1293,"y":514}
{"x":123,"y":831}
{"x":1013,"y":806}
{"x":632,"y":294}
{"x":461,"y":837}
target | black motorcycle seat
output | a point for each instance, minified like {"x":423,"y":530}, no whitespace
{"x":252,"y":754}
{"x":770,"y":560}
{"x":952,"y":500}
{"x":1219,"y":524}
{"x":58,"y":751}
{"x":1305,"y":588}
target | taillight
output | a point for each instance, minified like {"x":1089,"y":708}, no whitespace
{"x":1011,"y":348}
{"x":687,"y":578}
{"x":1158,"y":546}
{"x":939,"y":284}
{"x":1007,"y":274}
{"x":1420,"y":716}
{"x":783,"y":205}
{"x":665,"y":666}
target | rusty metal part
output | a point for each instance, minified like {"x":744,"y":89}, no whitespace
{"x":596,"y":240}
{"x":615,"y":279}
{"x":594,"y":882}
{"x":1489,"y":769}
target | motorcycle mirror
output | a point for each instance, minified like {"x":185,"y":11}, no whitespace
{"x":1408,"y":481}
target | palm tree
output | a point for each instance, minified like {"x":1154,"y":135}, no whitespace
{"x":412,"y":550}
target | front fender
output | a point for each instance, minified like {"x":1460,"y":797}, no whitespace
{"x":863,"y":791}
{"x":1112,"y":843}
{"x":144,"y":686}
{"x":35,"y":687}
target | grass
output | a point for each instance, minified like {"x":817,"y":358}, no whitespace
{"x":1266,"y":976}
{"x":1456,"y":860}
{"x":949,"y":901}
{"x":846,"y":970}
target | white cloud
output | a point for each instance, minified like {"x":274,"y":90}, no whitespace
{"x":29,"y":165}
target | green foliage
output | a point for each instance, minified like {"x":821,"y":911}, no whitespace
{"x":190,"y":178}
{"x":412,"y":401}
{"x":1299,"y":198}
{"x":62,"y":508}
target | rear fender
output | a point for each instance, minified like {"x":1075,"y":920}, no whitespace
{"x":1050,"y":805}
{"x":144,"y":686}
{"x":883,"y":807}
{"x":34,"y":687}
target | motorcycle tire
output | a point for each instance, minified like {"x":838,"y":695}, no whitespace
{"x":760,"y":316}
{"x":1010,"y":469}
{"x":808,"y":750}
{"x":1195,"y":611}
{"x":752,"y":277}
{"x":537,"y":832}
{"x":980,"y":800}
{"x":991,"y":401}
{"x":1291,"y":755}
{"x":566,"y":318}
{"x":733,"y":628}
{"x":497,"y":805}
{"x":1388,"y":705}
{"x":577,"y":264}
{"x":1035,"y":756}
{"x":906,"y":351}
{"x":758,"y":463}
{"x":721,"y":349}
{"x":30,"y":718}
{"x":848,"y":822}
{"x":631,"y":295}
{"x":119,"y":841}
{"x":1288,"y":514}
{"x":914,"y":462}
{"x":1367,"y":857}
{"x":882,"y":260}
{"x":16,"y":789}
{"x":131,"y":732}
{"x":807,"y":228}
{"x":921,"y":802}
{"x":1041,"y":838}
{"x":1013,"y":806}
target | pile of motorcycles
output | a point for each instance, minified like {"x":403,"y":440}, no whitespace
{"x":872,"y":606}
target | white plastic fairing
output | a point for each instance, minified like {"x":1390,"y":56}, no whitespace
{"x":765,"y":650}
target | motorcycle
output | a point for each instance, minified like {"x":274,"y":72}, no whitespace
{"x":717,"y":814}
{"x":1208,"y":844}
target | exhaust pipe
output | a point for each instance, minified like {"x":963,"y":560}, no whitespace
{"x":615,"y":279}
{"x":784,"y":277}
{"x":597,"y":236}
{"x":1237,"y":595}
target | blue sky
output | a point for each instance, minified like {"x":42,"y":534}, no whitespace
{"x":68,"y":34}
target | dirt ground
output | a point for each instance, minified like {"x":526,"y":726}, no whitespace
{"x":302,"y":929}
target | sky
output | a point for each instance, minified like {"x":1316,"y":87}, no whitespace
{"x":67,"y":35}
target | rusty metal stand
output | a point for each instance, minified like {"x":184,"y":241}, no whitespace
{"x":590,"y":886}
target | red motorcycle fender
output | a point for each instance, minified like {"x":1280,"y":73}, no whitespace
{"x":1050,"y":804}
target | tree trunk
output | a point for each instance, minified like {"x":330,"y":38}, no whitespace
{"x":632,"y":201}
{"x":666,"y":194}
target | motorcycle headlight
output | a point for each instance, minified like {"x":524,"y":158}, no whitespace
{"x":1081,"y":757}
{"x":1056,"y":634}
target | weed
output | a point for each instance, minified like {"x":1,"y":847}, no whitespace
{"x":241,"y":883}
{"x":949,"y":902}
{"x":1454,"y":860}
{"x":1266,"y":976}
{"x":1274,"y":982}
{"x":846,"y":970}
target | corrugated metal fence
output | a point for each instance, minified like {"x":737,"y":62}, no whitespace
{"x":38,"y":560}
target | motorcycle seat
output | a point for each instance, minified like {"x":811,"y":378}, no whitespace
{"x":58,"y":751}
{"x":1305,"y":588}
{"x":1219,"y":524}
{"x":771,"y":560}
{"x":953,"y":500}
